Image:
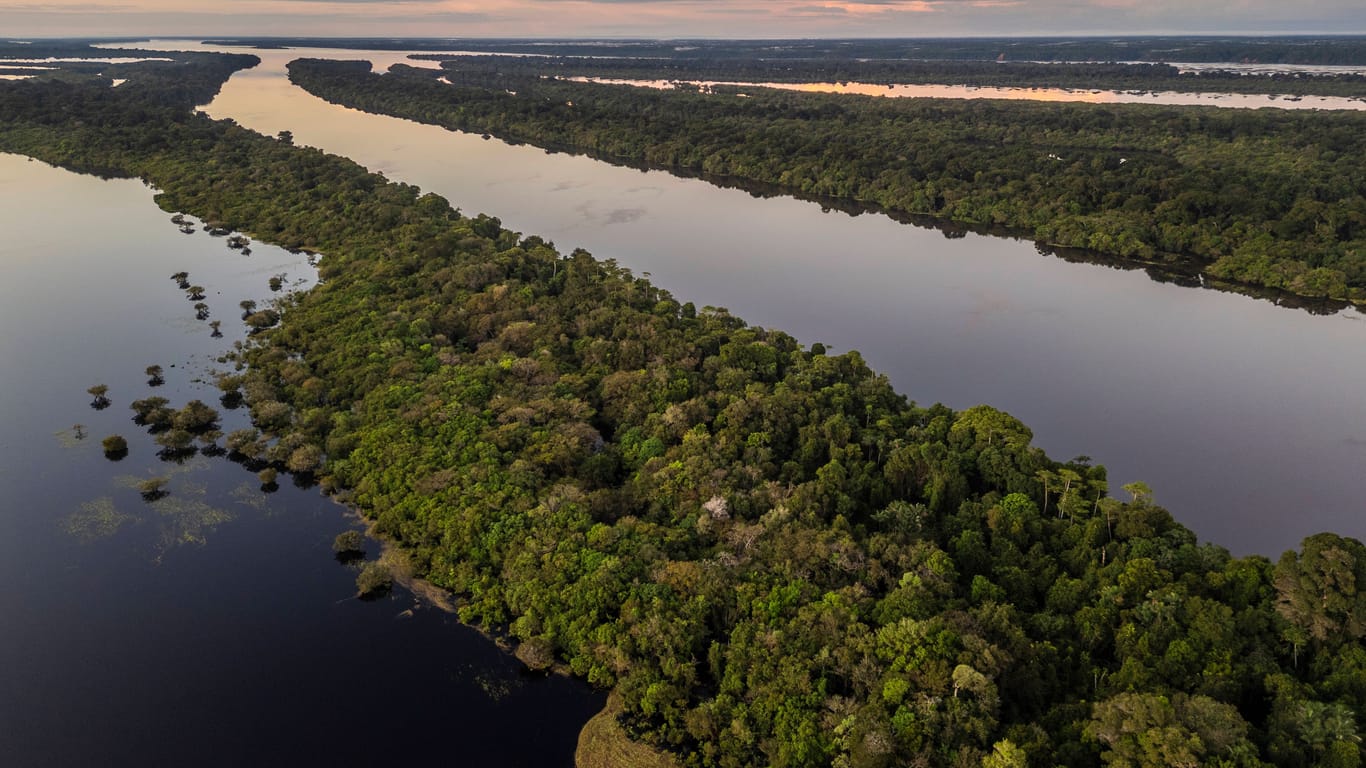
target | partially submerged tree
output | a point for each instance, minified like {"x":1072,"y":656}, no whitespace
{"x":115,"y":447}
{"x":154,"y":376}
{"x":259,"y":321}
{"x":100,"y":394}
{"x":152,"y":412}
{"x":195,"y":417}
{"x":153,"y":488}
{"x":175,"y":443}
{"x":349,"y":545}
{"x":374,"y":580}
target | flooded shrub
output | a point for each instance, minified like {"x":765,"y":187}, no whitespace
{"x":153,"y":488}
{"x":195,"y":417}
{"x":115,"y":447}
{"x":374,"y":580}
{"x":348,"y":545}
{"x":99,"y":392}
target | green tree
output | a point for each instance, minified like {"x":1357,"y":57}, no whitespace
{"x":1317,"y":589}
{"x":115,"y":447}
{"x":1004,"y":754}
{"x":1145,"y":730}
{"x":100,"y":394}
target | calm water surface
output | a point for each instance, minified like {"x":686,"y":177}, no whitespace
{"x":213,"y":627}
{"x":1096,"y":96}
{"x":1245,"y":417}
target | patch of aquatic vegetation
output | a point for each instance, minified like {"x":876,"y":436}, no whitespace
{"x":98,"y":519}
{"x":496,"y":688}
{"x":169,"y":470}
{"x":73,"y":437}
{"x":249,"y":494}
{"x":180,"y":515}
{"x":186,"y":520}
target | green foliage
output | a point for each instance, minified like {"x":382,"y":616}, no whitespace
{"x":770,"y":554}
{"x":349,"y":543}
{"x":153,"y":488}
{"x":115,"y":447}
{"x":374,"y":580}
{"x":1148,"y":731}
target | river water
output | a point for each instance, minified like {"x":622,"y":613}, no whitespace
{"x":1091,"y":96}
{"x":213,"y":627}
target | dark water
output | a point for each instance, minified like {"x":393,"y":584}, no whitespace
{"x":1247,"y":418}
{"x":213,"y":627}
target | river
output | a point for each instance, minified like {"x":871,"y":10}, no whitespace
{"x":1242,"y":414}
{"x":213,"y":627}
{"x":1082,"y":95}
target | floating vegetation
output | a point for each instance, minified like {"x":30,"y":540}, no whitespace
{"x":71,"y":438}
{"x":194,"y":465}
{"x":178,"y":511}
{"x":496,"y":688}
{"x":186,"y":520}
{"x":249,"y":494}
{"x":98,"y":519}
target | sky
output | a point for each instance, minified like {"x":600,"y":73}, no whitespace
{"x":674,"y":18}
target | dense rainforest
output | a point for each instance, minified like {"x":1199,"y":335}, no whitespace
{"x":1341,"y":50}
{"x":1268,"y":198}
{"x":1114,"y":77}
{"x":768,"y":553}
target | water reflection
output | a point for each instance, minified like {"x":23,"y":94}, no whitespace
{"x":1088,"y":96}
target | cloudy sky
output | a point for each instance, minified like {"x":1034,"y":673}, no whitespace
{"x":675,"y":18}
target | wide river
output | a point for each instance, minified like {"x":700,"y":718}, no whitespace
{"x":1244,"y":416}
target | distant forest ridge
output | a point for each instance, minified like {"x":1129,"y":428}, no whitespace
{"x":1322,"y":50}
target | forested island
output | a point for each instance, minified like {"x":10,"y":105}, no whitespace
{"x":1267,"y":198}
{"x":771,"y":556}
{"x":1077,"y":76}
